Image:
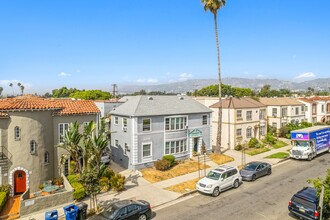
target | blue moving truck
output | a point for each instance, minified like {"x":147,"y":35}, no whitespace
{"x":309,"y":142}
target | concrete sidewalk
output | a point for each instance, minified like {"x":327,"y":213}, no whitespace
{"x":138,"y":188}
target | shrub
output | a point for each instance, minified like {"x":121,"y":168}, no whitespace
{"x":73,"y":178}
{"x":3,"y":198}
{"x":162,"y":165}
{"x":170,"y":159}
{"x":73,"y":167}
{"x":5,"y":188}
{"x":108,"y":173}
{"x":57,"y":181}
{"x":41,"y":186}
{"x":238,"y":147}
{"x":79,"y":191}
{"x":270,"y":139}
{"x":104,"y":184}
{"x":253,"y":142}
{"x":117,"y":182}
{"x":284,"y":131}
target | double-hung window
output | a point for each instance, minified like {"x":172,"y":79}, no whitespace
{"x":249,"y":132}
{"x":116,"y":120}
{"x":239,"y":114}
{"x":204,"y":120}
{"x":274,"y":112}
{"x":175,"y":123}
{"x":146,"y":151}
{"x":62,"y":129}
{"x":146,"y":124}
{"x":17,"y":133}
{"x":174,"y":147}
{"x":239,"y":132}
{"x":249,"y":115}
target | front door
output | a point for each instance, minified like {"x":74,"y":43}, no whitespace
{"x":19,"y":181}
{"x":196,"y":144}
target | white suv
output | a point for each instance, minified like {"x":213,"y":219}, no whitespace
{"x":219,"y":179}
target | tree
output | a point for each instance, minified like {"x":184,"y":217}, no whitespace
{"x":213,"y":6}
{"x":1,"y":90}
{"x":11,"y":85}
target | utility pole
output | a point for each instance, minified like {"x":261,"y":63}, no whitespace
{"x":114,"y":90}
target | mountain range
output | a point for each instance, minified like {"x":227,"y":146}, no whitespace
{"x":192,"y":85}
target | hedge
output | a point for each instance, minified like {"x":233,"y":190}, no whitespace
{"x":3,"y":197}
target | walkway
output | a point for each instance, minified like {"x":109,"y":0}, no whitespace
{"x":11,"y":208}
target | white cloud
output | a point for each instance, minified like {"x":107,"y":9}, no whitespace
{"x":185,"y":76}
{"x":307,"y":75}
{"x":63,"y":74}
{"x":260,"y":76}
{"x":150,"y":80}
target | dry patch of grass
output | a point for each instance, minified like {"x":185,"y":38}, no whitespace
{"x":255,"y":151}
{"x":188,"y":166}
{"x":184,"y":187}
{"x":220,"y":158}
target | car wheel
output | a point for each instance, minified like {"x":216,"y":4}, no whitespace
{"x":254,"y":177}
{"x":216,"y":192}
{"x":236,"y":184}
{"x":309,"y":157}
{"x":269,"y":171}
{"x":142,"y":217}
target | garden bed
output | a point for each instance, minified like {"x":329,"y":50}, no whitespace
{"x":184,"y":187}
{"x":220,"y":158}
{"x":255,"y":151}
{"x":279,"y":155}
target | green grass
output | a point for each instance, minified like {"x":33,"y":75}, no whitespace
{"x":279,"y":144}
{"x":279,"y":155}
{"x":256,"y":151}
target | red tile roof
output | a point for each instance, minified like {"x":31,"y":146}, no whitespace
{"x":315,"y":98}
{"x":243,"y":102}
{"x":60,"y":106}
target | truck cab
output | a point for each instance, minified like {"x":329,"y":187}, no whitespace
{"x":303,"y":150}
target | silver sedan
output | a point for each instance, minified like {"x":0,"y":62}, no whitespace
{"x":253,"y":170}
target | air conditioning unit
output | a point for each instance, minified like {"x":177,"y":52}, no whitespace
{"x":124,"y":129}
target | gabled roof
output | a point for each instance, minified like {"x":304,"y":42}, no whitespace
{"x":159,"y":105}
{"x":279,"y":101}
{"x":238,"y":103}
{"x":315,"y":99}
{"x":59,"y":106}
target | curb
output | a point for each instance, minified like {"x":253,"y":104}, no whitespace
{"x":187,"y":194}
{"x":180,"y":197}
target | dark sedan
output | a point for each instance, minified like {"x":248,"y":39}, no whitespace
{"x":126,"y":209}
{"x":253,"y":170}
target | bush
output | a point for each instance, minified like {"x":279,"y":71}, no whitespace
{"x":117,"y":182}
{"x":73,"y":167}
{"x":270,"y":139}
{"x":79,"y":191}
{"x":108,"y":173}
{"x":238,"y":147}
{"x":57,"y":181}
{"x":104,"y":184}
{"x":162,"y":165}
{"x":170,"y":159}
{"x":284,"y":131}
{"x":3,"y":198}
{"x":5,"y":188}
{"x":73,"y":178}
{"x":253,"y":142}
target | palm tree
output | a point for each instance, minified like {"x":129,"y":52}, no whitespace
{"x":1,"y":90}
{"x":21,"y":87}
{"x":213,"y":6}
{"x":11,"y":85}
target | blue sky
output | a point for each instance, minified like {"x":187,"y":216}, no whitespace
{"x":91,"y":44}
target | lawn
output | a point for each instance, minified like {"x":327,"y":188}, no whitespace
{"x":184,"y":187}
{"x":279,"y":155}
{"x":279,"y":144}
{"x":188,"y":166}
{"x":220,"y":158}
{"x":255,"y":151}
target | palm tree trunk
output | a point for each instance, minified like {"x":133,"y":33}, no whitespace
{"x":218,"y":146}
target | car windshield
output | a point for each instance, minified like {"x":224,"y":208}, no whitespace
{"x":213,"y":175}
{"x":301,"y":143}
{"x":251,"y":166}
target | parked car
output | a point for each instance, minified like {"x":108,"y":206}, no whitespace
{"x":126,"y":209}
{"x":218,"y":180}
{"x":305,"y":204}
{"x":253,"y":170}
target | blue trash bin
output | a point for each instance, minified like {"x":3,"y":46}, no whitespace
{"x":52,"y":215}
{"x":70,"y":212}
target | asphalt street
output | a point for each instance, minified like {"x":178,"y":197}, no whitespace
{"x":266,"y":198}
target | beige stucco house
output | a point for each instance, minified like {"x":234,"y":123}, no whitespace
{"x":242,"y":119}
{"x":30,"y":130}
{"x":317,"y":108}
{"x":283,"y":110}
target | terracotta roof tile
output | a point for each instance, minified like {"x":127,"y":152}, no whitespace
{"x":60,"y":106}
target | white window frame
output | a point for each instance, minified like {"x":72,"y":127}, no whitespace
{"x":205,"y":120}
{"x":33,"y":144}
{"x":126,"y":149}
{"x":263,"y":130}
{"x":284,"y":110}
{"x":297,"y":110}
{"x":249,"y":132}
{"x":17,"y":133}
{"x":146,"y":158}
{"x":180,"y":144}
{"x":249,"y":115}
{"x":116,"y":143}
{"x":274,"y":112}
{"x":61,"y":136}
{"x":176,"y":123}
{"x":150,"y":121}
{"x":116,"y":120}
{"x":124,"y":121}
{"x":239,"y":114}
{"x":239,"y":132}
{"x":274,"y":123}
{"x":262,"y":114}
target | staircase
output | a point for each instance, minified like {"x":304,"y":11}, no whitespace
{"x":4,"y":163}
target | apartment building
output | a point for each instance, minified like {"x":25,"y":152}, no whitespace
{"x":317,"y":108}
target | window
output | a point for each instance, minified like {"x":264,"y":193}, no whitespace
{"x":116,"y":143}
{"x":262,"y":114}
{"x":274,"y":112}
{"x":249,"y":115}
{"x":146,"y":124}
{"x":328,"y":107}
{"x":146,"y":150}
{"x":284,"y":112}
{"x":33,"y":146}
{"x":274,"y":124}
{"x":124,"y":122}
{"x":174,"y":147}
{"x":283,"y":124}
{"x":239,"y":132}
{"x":262,"y":130}
{"x":46,"y":157}
{"x":204,"y":120}
{"x":297,"y":110}
{"x":302,"y":108}
{"x":62,"y":129}
{"x":249,"y":132}
{"x":17,"y":134}
{"x":239,"y":114}
{"x":314,"y":109}
{"x":322,"y":108}
{"x":178,"y":123}
{"x":306,"y":108}
{"x":116,"y":120}
{"x":126,"y":149}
